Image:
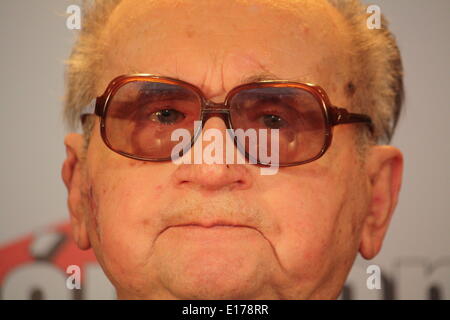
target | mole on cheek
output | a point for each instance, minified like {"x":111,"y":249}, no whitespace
{"x":190,"y":33}
{"x":350,"y":89}
{"x":138,"y":163}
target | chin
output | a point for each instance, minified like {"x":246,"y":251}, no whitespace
{"x":213,"y":264}
{"x":215,"y":281}
{"x":218,"y":291}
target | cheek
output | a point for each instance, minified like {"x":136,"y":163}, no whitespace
{"x":127,"y":205}
{"x":309,"y":224}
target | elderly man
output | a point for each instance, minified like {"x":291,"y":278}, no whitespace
{"x":311,"y":70}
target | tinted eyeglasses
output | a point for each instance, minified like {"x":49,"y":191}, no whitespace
{"x":139,"y":113}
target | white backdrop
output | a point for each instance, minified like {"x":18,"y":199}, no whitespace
{"x":34,"y":251}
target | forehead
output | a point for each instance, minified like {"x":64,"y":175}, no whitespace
{"x":199,"y":40}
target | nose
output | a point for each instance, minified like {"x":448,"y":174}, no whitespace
{"x":213,"y":173}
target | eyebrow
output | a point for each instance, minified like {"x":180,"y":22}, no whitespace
{"x":263,"y":76}
{"x":259,"y":77}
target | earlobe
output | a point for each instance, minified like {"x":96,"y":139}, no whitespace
{"x":384,"y":168}
{"x":71,"y":175}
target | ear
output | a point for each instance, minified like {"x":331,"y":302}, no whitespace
{"x":72,"y":177}
{"x":385,"y":168}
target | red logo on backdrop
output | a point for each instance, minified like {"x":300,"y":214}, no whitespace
{"x":53,"y":248}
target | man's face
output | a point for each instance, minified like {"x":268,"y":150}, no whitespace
{"x":162,"y":230}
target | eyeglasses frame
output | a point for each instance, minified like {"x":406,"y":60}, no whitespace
{"x":333,"y":115}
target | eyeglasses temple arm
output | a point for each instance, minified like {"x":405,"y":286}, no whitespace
{"x":90,"y":109}
{"x":342,"y":116}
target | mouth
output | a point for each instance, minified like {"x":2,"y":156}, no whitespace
{"x":208,"y":224}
